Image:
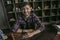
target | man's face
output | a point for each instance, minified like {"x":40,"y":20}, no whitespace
{"x":26,"y":10}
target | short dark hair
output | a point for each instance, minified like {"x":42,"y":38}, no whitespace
{"x":24,"y":3}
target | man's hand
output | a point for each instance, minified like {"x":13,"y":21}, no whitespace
{"x":30,"y":32}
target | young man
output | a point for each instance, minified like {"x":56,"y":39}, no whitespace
{"x":29,"y":21}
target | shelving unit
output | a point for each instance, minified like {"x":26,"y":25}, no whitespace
{"x":47,"y":10}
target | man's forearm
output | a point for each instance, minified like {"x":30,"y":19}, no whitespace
{"x":34,"y":33}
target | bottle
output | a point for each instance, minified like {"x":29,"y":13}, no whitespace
{"x":8,"y":2}
{"x":25,"y":0}
{"x":16,"y":1}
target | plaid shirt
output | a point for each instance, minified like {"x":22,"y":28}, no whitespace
{"x":32,"y":22}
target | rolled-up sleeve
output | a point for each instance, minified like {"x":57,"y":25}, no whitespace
{"x":15,"y":26}
{"x":40,"y":25}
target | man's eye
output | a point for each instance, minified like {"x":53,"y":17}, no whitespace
{"x":28,"y":8}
